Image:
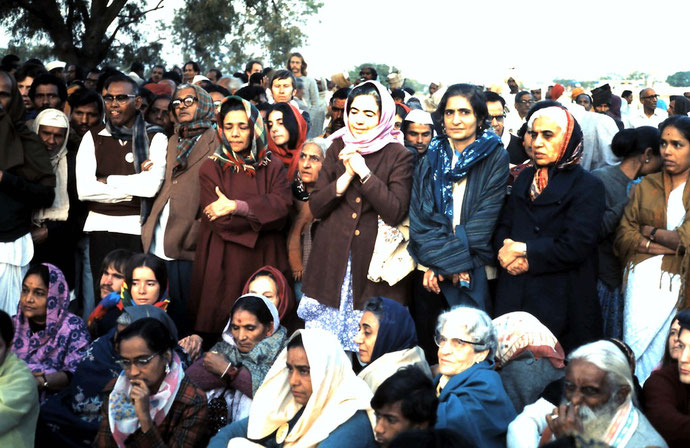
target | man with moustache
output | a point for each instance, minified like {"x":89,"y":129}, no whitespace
{"x":598,"y":404}
{"x":120,"y":167}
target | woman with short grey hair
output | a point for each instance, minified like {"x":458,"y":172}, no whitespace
{"x":472,"y":399}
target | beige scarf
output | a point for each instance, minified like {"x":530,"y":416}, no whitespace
{"x":58,"y":160}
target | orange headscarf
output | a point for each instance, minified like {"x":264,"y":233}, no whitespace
{"x":290,"y":156}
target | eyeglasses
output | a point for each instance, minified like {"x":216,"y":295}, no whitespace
{"x":650,"y":97}
{"x":119,"y":99}
{"x":497,"y":117}
{"x":141,"y":363}
{"x":455,"y":343}
{"x":525,"y":102}
{"x":187,"y":101}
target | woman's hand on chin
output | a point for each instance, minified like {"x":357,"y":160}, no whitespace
{"x":140,"y":395}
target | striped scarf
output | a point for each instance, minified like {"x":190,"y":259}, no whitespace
{"x":189,"y":133}
{"x":258,"y":154}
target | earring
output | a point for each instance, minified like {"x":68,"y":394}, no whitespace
{"x":646,"y":161}
{"x":167,"y":369}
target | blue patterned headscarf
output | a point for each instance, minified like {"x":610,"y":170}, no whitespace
{"x":440,"y":157}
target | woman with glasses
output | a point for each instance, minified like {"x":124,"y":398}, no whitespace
{"x":152,"y":402}
{"x":171,"y":230}
{"x":472,"y":400}
{"x":244,"y":202}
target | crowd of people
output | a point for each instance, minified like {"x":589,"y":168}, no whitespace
{"x":269,"y":259}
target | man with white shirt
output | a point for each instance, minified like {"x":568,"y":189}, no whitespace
{"x":120,"y":167}
{"x":496,"y":107}
{"x":650,"y":115}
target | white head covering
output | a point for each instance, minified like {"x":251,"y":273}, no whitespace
{"x":336,"y":394}
{"x":420,"y":117}
{"x":557,"y":114}
{"x":58,"y":159}
{"x":52,"y":65}
{"x":227,"y":333}
{"x":198,"y":78}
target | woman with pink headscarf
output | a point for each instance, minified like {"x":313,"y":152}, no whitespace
{"x":367,"y":175}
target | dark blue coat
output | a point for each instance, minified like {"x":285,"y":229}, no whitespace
{"x":560,"y":228}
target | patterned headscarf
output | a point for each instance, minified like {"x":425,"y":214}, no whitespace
{"x":258,"y":154}
{"x":519,"y":332}
{"x":290,"y":156}
{"x":569,"y":154}
{"x":189,"y":133}
{"x":44,"y":351}
{"x":378,"y":137}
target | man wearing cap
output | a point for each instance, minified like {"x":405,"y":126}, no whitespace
{"x":667,"y":394}
{"x":418,"y":129}
{"x":650,"y":115}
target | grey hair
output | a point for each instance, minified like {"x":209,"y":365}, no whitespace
{"x":234,"y":84}
{"x":320,"y":142}
{"x":609,"y":358}
{"x":478,"y":325}
{"x":125,"y":319}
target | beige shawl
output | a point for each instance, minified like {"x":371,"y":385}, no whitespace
{"x":383,"y":368}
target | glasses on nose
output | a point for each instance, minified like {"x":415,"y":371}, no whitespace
{"x":650,"y":97}
{"x":187,"y":101}
{"x":525,"y":102}
{"x":119,"y":99}
{"x":455,"y":343}
{"x":126,"y":364}
{"x":497,"y":117}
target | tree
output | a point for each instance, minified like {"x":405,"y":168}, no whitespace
{"x":228,"y":33}
{"x":82,"y":31}
{"x":679,"y":79}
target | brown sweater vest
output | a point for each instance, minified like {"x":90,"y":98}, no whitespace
{"x":110,"y":160}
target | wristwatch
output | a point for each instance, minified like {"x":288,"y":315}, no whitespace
{"x":651,"y":234}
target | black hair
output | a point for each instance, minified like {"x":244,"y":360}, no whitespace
{"x":122,"y":78}
{"x":29,"y":70}
{"x":492,"y":97}
{"x":229,"y":105}
{"x":375,"y":306}
{"x":251,"y":93}
{"x":414,"y":390}
{"x":156,"y":335}
{"x":400,"y":111}
{"x":627,"y":144}
{"x":220,"y":89}
{"x":289,"y":121}
{"x":398,"y":93}
{"x":409,"y":90}
{"x":10,"y":61}
{"x":476,"y":98}
{"x":162,"y":96}
{"x":42,"y":271}
{"x":195,"y":66}
{"x":681,"y":106}
{"x":522,"y":93}
{"x":296,"y":342}
{"x":256,"y":79}
{"x":626,"y":93}
{"x":118,"y":259}
{"x":146,"y":94}
{"x":365,"y":88}
{"x":84,"y":96}
{"x":682,"y":123}
{"x":431,"y":438}
{"x":304,"y":63}
{"x":283,"y":74}
{"x":137,"y":67}
{"x":264,"y":273}
{"x":254,"y":305}
{"x":261,"y":107}
{"x":173,"y":76}
{"x":373,"y":71}
{"x":624,"y":143}
{"x":218,"y":73}
{"x":158,"y":66}
{"x":341,"y":94}
{"x":250,"y":65}
{"x":6,"y":329}
{"x":152,"y":262}
{"x":48,"y":79}
{"x":105,"y":75}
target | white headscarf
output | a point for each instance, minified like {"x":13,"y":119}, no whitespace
{"x":337,"y":394}
{"x":227,"y":332}
{"x":58,"y":159}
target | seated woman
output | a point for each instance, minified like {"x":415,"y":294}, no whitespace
{"x":237,"y":365}
{"x":18,"y":395}
{"x":310,"y":397}
{"x":472,"y":400}
{"x":50,"y":339}
{"x":287,"y":132}
{"x":672,"y":352}
{"x":72,"y":416}
{"x":151,"y":403}
{"x":387,"y":341}
{"x":146,"y":280}
{"x":528,"y":358}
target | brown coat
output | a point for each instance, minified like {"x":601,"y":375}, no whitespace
{"x":233,"y":247}
{"x":349,"y":224}
{"x":182,"y":190}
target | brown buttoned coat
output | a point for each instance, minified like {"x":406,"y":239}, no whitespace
{"x":349,"y":224}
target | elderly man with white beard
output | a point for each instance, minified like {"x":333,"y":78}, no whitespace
{"x":598,"y":404}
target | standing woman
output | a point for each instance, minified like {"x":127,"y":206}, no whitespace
{"x":245,"y":198}
{"x":171,"y":230}
{"x":548,"y":234}
{"x":652,"y":242}
{"x":287,"y":132}
{"x":367,"y":174}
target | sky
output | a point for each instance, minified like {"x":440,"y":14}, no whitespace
{"x":486,"y":41}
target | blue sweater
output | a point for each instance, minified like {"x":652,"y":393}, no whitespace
{"x":474,"y":403}
{"x":354,"y":433}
